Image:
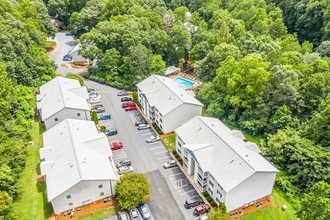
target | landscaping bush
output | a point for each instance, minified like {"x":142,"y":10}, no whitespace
{"x":103,"y":128}
{"x":208,"y":198}
{"x":94,"y":117}
{"x":213,"y":204}
{"x":157,"y":128}
{"x":205,"y":194}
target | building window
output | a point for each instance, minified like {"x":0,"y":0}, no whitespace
{"x":68,"y":197}
{"x":78,"y":114}
{"x":56,"y":119}
{"x":211,"y":192}
{"x":211,"y":183}
{"x":70,"y":204}
{"x":217,"y":200}
{"x":179,"y":144}
{"x":160,"y":126}
{"x":100,"y":186}
{"x":161,"y":120}
{"x":102,"y":194}
{"x":179,"y":151}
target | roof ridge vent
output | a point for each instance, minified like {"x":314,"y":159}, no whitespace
{"x":231,"y":161}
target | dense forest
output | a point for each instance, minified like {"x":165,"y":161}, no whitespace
{"x":24,"y":65}
{"x":265,"y":65}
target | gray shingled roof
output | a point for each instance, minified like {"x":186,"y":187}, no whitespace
{"x":222,"y":151}
{"x":170,"y":70}
{"x":165,"y":94}
{"x":74,"y":151}
{"x":61,"y":93}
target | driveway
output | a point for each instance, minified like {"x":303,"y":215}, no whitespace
{"x":64,"y":44}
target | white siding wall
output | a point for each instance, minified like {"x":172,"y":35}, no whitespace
{"x":66,"y":113}
{"x":179,"y":116}
{"x":216,"y":191}
{"x":255,"y":187}
{"x":179,"y":143}
{"x":83,"y":191}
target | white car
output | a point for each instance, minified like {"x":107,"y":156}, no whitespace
{"x":125,"y":169}
{"x":95,"y":100}
{"x":152,"y":139}
{"x":95,"y":95}
{"x":170,"y":164}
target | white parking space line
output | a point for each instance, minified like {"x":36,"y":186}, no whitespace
{"x":154,"y":143}
{"x":180,"y":194}
{"x":154,"y":148}
{"x":179,"y":184}
{"x":145,"y":134}
{"x":168,"y":169}
{"x":162,"y":152}
{"x":175,"y":174}
{"x":163,"y":158}
{"x":119,"y":156}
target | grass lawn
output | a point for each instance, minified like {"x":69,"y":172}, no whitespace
{"x":99,"y":214}
{"x":32,"y":201}
{"x":169,"y":142}
{"x":275,"y":212}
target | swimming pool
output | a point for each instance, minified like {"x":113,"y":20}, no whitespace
{"x":184,"y":82}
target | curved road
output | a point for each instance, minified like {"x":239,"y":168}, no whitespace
{"x":64,"y":44}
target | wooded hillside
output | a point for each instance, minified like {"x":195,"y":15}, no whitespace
{"x":24,"y":66}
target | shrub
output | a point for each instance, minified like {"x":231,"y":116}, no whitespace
{"x":213,"y":204}
{"x":103,"y":128}
{"x":205,"y":194}
{"x":157,"y":128}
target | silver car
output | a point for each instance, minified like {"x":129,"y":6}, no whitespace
{"x":125,"y":169}
{"x":152,"y":139}
{"x":143,"y":126}
{"x":170,"y":164}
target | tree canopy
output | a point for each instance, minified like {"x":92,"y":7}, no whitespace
{"x":132,"y":190}
{"x":24,"y":66}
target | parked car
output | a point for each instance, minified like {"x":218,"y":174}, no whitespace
{"x":110,"y":132}
{"x":126,"y":104}
{"x":94,"y":95}
{"x":90,"y":90}
{"x":126,"y":99}
{"x":68,"y":34}
{"x":95,"y":100}
{"x":133,"y":212}
{"x":201,"y":209}
{"x":125,"y":169}
{"x":130,"y":108}
{"x":125,"y":162}
{"x":97,"y":106}
{"x":122,"y":215}
{"x":191,"y":203}
{"x":67,"y":57}
{"x":143,"y":126}
{"x":140,"y":122}
{"x":170,"y":164}
{"x":104,"y":117}
{"x":152,"y":139}
{"x":116,"y":145}
{"x":122,"y":93}
{"x":99,"y":110}
{"x":144,"y":210}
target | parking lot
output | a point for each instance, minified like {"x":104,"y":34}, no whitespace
{"x":168,"y":186}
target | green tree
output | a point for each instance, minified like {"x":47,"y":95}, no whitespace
{"x":218,"y":213}
{"x":132,"y":190}
{"x":94,"y":117}
{"x":113,"y":8}
{"x":316,"y":203}
{"x":5,"y":201}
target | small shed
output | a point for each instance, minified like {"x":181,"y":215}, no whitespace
{"x":172,"y":70}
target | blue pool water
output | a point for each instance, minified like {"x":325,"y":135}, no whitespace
{"x":184,"y":82}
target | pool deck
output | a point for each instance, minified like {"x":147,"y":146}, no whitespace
{"x":188,"y":77}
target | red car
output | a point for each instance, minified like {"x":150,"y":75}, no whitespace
{"x":126,"y":104}
{"x":201,"y":209}
{"x":130,"y":108}
{"x":116,"y":145}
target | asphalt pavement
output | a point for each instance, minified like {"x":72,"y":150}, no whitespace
{"x":64,"y":44}
{"x":169,"y":188}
